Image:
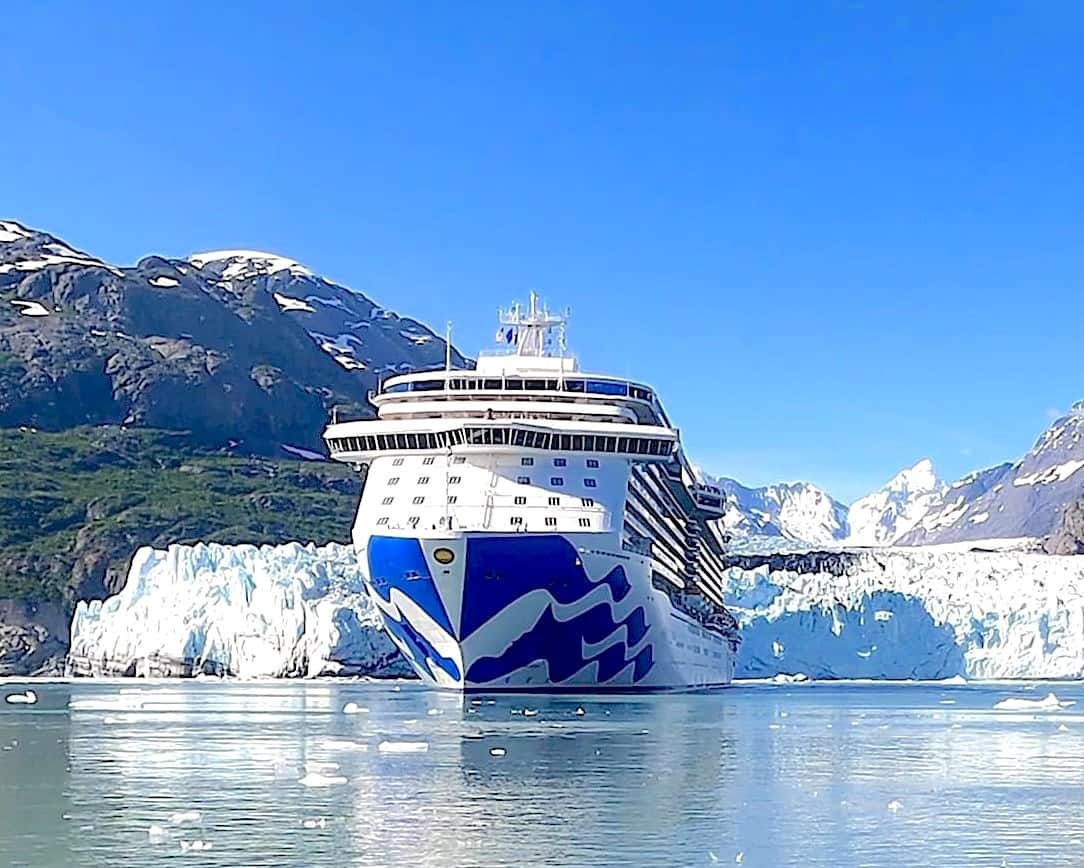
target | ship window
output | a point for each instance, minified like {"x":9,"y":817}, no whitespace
{"x":519,"y":437}
{"x":560,"y":462}
{"x":577,"y":442}
{"x":398,"y":462}
{"x":500,"y":435}
{"x":459,"y":459}
{"x":592,"y":462}
{"x":534,"y":385}
{"x":423,"y":480}
{"x":526,"y":462}
{"x":555,"y":500}
{"x":551,"y":521}
{"x":513,"y":385}
{"x":585,"y":522}
{"x":382,"y":520}
{"x":452,"y":498}
{"x":551,"y":384}
{"x":418,"y":501}
{"x":491,"y":384}
{"x":557,"y":480}
{"x":574,"y":385}
{"x":521,"y":500}
{"x":397,"y":387}
{"x":640,"y":392}
{"x":523,"y":480}
{"x":393,"y":481}
{"x":587,"y":501}
{"x":611,"y":444}
{"x":566,"y":441}
{"x":426,"y":385}
{"x":605,"y":387}
{"x":428,"y":460}
{"x":454,"y":480}
{"x":388,"y":501}
{"x":516,"y":519}
{"x":623,"y":444}
{"x":590,"y":483}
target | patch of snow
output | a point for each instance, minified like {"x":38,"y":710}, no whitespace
{"x":258,"y":611}
{"x":979,"y":518}
{"x":1057,"y":473}
{"x":61,"y":255}
{"x":886,"y":515}
{"x":307,"y":454}
{"x":31,"y":308}
{"x":350,"y":364}
{"x":164,"y":282}
{"x":249,"y":263}
{"x":287,"y":303}
{"x":327,"y":302}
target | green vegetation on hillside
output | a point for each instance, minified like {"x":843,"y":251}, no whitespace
{"x":75,"y":505}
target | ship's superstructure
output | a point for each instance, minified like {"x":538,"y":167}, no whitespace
{"x":528,"y":526}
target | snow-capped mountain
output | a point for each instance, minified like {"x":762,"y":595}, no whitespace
{"x":884,"y":516}
{"x":1024,"y":499}
{"x":791,"y":510}
{"x":232,"y":346}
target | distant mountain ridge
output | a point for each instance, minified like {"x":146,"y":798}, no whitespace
{"x":1026,"y":498}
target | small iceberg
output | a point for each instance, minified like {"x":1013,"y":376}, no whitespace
{"x":354,"y":708}
{"x":316,"y":779}
{"x":179,"y":818}
{"x":497,"y":751}
{"x":315,"y":823}
{"x":1048,"y":703}
{"x":403,"y":747}
{"x":27,"y":697}
{"x":196,"y":845}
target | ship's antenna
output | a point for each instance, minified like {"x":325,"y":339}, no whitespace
{"x":447,"y":347}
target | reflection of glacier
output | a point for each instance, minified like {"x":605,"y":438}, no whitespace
{"x":257,"y":611}
{"x":910,"y":613}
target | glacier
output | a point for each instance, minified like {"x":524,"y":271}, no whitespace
{"x":918,"y":613}
{"x":923,"y":612}
{"x":253,"y":611}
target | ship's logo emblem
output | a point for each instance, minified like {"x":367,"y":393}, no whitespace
{"x":443,"y":556}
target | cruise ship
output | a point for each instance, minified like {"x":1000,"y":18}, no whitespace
{"x":526,"y":526}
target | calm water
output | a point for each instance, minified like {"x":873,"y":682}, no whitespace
{"x":766,"y":775}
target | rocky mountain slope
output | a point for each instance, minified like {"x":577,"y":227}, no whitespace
{"x":1027,"y":498}
{"x":235,"y":347}
{"x":886,"y":515}
{"x":167,"y":402}
{"x":789,"y":510}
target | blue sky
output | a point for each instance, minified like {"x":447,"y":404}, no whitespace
{"x":838,"y":237}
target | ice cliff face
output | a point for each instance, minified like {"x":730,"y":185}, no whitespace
{"x":268,"y":611}
{"x":909,"y":613}
{"x":884,"y":516}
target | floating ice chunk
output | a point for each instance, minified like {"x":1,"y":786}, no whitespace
{"x":315,"y":823}
{"x":580,"y":712}
{"x":497,"y":751}
{"x":1048,"y":703}
{"x":318,"y":766}
{"x":316,"y":779}
{"x":403,"y":746}
{"x":157,"y":834}
{"x":786,"y":678}
{"x":433,"y":712}
{"x":895,"y":805}
{"x":948,"y":701}
{"x":339,"y":744}
{"x":196,"y":845}
{"x":740,"y":857}
{"x":955,"y":679}
{"x":354,"y":708}
{"x":179,"y":818}
{"x":27,"y":697}
{"x":531,"y":712}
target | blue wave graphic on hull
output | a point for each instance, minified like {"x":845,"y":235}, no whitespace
{"x":399,"y":563}
{"x":501,"y":570}
{"x":560,"y":644}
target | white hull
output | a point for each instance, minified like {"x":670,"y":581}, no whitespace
{"x":535,"y":612}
